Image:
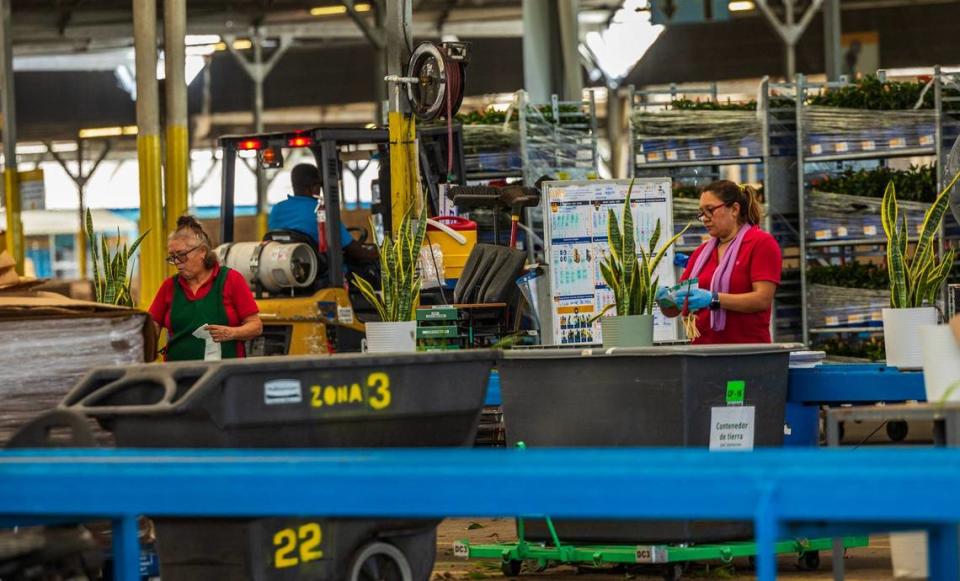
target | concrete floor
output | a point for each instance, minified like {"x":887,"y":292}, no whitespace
{"x":865,"y":564}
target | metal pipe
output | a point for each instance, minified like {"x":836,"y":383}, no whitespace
{"x":148,"y":149}
{"x":258,"y":128}
{"x":178,"y":138}
{"x":831,"y":39}
{"x":81,"y":231}
{"x":14,"y":232}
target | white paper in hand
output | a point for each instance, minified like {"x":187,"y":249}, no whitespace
{"x":211,"y":351}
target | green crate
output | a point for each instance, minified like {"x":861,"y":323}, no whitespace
{"x":438,"y":332}
{"x":437,"y":314}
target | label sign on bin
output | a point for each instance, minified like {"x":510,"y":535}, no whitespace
{"x":735,"y":392}
{"x":731,"y":428}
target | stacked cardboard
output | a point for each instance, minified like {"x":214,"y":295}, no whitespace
{"x":48,"y":341}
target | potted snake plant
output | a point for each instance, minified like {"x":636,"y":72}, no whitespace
{"x":397,"y":300}
{"x":915,"y":278}
{"x":630,"y":272}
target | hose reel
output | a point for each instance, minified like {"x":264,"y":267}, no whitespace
{"x":436,"y":79}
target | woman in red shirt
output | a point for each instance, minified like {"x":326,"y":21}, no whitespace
{"x":202,"y":293}
{"x":738,"y":270}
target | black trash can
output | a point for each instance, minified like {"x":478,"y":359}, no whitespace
{"x":341,"y":401}
{"x":644,"y":397}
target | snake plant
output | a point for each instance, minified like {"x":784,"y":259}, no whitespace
{"x":111,"y":275}
{"x":915,"y":279}
{"x":633,"y":279}
{"x":399,"y":279}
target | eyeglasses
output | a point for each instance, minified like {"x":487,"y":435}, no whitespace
{"x":707,"y":212}
{"x":180,"y":257}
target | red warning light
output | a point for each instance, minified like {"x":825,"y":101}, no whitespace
{"x":249,"y":144}
{"x":299,"y":141}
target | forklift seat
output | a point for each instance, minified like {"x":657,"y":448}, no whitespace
{"x":490,"y":275}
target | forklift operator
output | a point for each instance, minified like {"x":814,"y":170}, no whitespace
{"x":299,"y":212}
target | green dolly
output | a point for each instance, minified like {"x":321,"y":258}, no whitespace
{"x":671,"y":560}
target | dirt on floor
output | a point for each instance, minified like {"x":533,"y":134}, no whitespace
{"x":862,"y":564}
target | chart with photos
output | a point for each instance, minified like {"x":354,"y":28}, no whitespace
{"x":575,"y":228}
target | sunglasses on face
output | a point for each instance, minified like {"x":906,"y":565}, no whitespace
{"x":180,"y":257}
{"x":707,"y":211}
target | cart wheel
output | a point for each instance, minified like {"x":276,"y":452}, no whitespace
{"x":511,"y":568}
{"x":380,"y":562}
{"x":809,"y":561}
{"x":674,"y":572}
{"x":897,"y":431}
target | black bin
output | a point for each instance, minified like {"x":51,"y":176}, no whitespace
{"x":341,"y":401}
{"x":643,"y":397}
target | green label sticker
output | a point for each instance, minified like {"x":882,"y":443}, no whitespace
{"x":735,"y":391}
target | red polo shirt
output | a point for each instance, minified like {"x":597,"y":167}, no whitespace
{"x":237,"y":299}
{"x":759,"y":259}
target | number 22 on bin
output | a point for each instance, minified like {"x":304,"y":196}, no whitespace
{"x":286,"y":541}
{"x":377,"y":393}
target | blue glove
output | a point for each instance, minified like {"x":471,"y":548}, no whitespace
{"x":665,"y":299}
{"x":680,"y":259}
{"x":695,"y":298}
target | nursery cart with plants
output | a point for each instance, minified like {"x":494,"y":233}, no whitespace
{"x":696,"y":138}
{"x":853,"y":139}
{"x":672,"y":561}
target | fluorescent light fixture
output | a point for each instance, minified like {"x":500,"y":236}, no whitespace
{"x":239,"y":44}
{"x":96,"y":132}
{"x":31,"y":148}
{"x":741,"y":6}
{"x":338,"y":9}
{"x":200,"y":39}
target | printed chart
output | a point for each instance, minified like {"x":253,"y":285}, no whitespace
{"x":575,"y":228}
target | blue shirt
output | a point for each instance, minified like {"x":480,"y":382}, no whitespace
{"x":300,"y":213}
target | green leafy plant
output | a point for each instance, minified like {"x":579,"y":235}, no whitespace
{"x":870,"y":92}
{"x":915,"y":279}
{"x":111,"y":270}
{"x":917,"y":184}
{"x":851,"y":275}
{"x":872,"y":348}
{"x":399,"y":279}
{"x":633,"y":279}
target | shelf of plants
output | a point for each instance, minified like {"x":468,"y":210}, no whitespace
{"x":848,"y":136}
{"x":695,"y":138}
{"x":532,"y":140}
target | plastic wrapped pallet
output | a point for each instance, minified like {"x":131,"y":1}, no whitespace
{"x":835,"y":307}
{"x":563,"y":149}
{"x":51,"y":341}
{"x":492,"y":148}
{"x":834,"y":130}
{"x":843,"y":217}
{"x":688,"y":135}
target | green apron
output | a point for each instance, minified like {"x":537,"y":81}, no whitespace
{"x":187,"y":316}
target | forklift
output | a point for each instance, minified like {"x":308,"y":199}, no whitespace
{"x":306,"y":302}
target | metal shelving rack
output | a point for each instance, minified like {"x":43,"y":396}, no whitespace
{"x":772,"y":155}
{"x":945,"y":127}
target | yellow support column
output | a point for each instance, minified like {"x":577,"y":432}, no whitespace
{"x":178,"y":137}
{"x":404,"y":183}
{"x":153,"y":248}
{"x":14,"y":231}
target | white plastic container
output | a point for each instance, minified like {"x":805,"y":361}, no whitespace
{"x":395,"y":337}
{"x":941,"y":362}
{"x":901,"y":335}
{"x":908,"y":551}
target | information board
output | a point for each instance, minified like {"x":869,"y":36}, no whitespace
{"x":575,"y":236}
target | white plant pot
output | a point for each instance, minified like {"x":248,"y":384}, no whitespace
{"x":908,"y":551}
{"x":395,"y":337}
{"x":941,"y":362}
{"x":901,"y":335}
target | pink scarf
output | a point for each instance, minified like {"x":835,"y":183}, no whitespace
{"x":721,"y":277}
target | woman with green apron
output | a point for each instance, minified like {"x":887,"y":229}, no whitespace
{"x":205,"y":295}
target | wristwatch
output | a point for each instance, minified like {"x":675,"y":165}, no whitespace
{"x":715,"y":301}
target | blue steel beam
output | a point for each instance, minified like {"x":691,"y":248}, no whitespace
{"x":776,"y":489}
{"x":844,"y":383}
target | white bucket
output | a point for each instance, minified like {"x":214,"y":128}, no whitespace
{"x":941,"y":362}
{"x":901,"y":335}
{"x":908,"y":551}
{"x":396,"y":337}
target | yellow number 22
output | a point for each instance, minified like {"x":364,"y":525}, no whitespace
{"x":310,"y":536}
